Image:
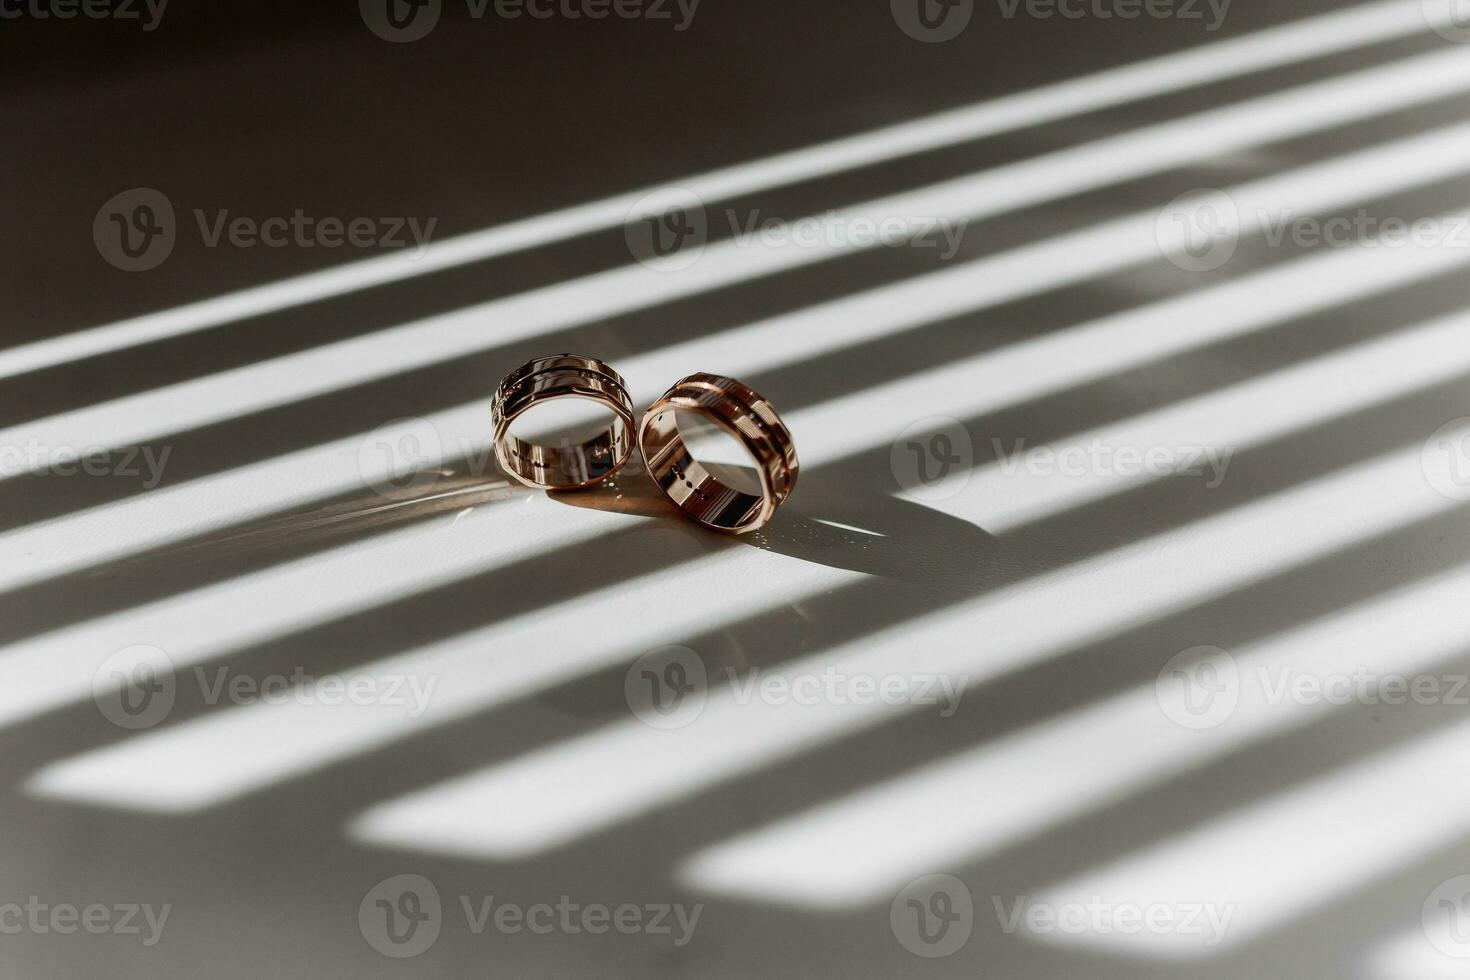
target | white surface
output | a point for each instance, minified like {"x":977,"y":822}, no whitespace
{"x":1321,"y":374}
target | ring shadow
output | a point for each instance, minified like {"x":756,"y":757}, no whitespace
{"x":824,"y":522}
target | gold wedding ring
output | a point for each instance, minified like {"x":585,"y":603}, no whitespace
{"x":688,"y":484}
{"x":569,"y":466}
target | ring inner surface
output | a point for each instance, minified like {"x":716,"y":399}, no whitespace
{"x":689,"y":483}
{"x":569,"y":464}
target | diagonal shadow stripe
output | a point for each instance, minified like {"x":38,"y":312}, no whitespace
{"x":603,"y":801}
{"x":1076,"y":760}
{"x":1320,"y":862}
{"x":1087,"y":675}
{"x":376,"y":306}
{"x":1256,"y":776}
{"x":404,"y":397}
{"x":829,"y":621}
{"x":1313,"y":37}
{"x":421,"y":344}
{"x":1056,"y":849}
{"x":796,"y":386}
{"x":804,"y":548}
{"x":1341,"y":926}
{"x":133,"y":370}
{"x":1252,"y":774}
{"x":167,"y":571}
{"x":825,"y":621}
{"x":665,"y":834}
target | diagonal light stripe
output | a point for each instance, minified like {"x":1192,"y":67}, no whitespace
{"x":465,"y":675}
{"x":1092,"y":351}
{"x":967,"y":807}
{"x":181,"y":768}
{"x":1411,"y":955}
{"x":57,"y":668}
{"x":566,"y":791}
{"x":136,"y":419}
{"x":1014,"y":492}
{"x":1111,"y":247}
{"x":1275,"y":47}
{"x":53,"y":668}
{"x":1298,"y":851}
{"x":1052,"y":362}
{"x":110,"y":531}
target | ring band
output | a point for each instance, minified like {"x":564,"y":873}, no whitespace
{"x":742,"y":413}
{"x":568,"y":467}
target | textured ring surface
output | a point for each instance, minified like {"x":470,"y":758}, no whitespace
{"x":688,"y":484}
{"x":569,"y":466}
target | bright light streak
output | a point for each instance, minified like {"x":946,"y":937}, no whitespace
{"x":1202,"y":434}
{"x":154,"y":519}
{"x":57,"y":668}
{"x":136,"y":419}
{"x":181,"y":768}
{"x":965,"y":808}
{"x":1291,"y":43}
{"x":1275,"y":861}
{"x":314,"y":589}
{"x":1411,"y":955}
{"x":565,"y":791}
